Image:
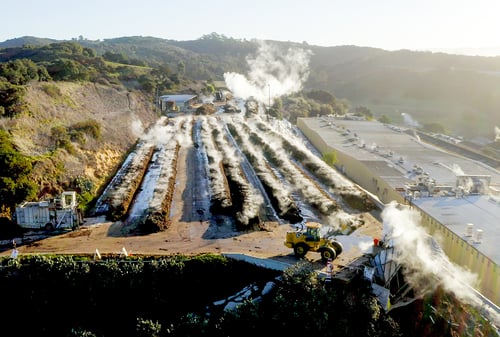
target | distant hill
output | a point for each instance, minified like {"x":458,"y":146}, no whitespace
{"x":26,"y":40}
{"x":460,"y":92}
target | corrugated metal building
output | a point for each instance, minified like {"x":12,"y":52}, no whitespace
{"x":176,"y":103}
{"x":458,"y":198}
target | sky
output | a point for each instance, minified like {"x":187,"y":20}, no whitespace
{"x":459,"y":26}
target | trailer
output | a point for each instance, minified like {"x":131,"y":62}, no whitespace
{"x":57,"y":213}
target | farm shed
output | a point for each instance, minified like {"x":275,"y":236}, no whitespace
{"x":179,"y":103}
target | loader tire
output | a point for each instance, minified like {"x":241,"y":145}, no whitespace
{"x":300,"y":250}
{"x":328,"y":254}
{"x":338,"y":247}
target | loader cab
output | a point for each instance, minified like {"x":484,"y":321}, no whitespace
{"x":313,"y":231}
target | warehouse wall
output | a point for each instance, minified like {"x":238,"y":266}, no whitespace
{"x":462,"y":253}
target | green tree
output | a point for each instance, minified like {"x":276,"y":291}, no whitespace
{"x":363,"y":111}
{"x":296,"y":106}
{"x":181,"y":68}
{"x":43,"y":74}
{"x":12,"y":99}
{"x":330,"y":158}
{"x":325,"y":110}
{"x":19,"y":71}
{"x":115,"y":57}
{"x":147,"y":328}
{"x":148,"y":83}
{"x":68,"y":70}
{"x":341,"y":107}
{"x":161,"y":72}
{"x":278,"y":103}
{"x":322,"y":310}
{"x":276,"y":110}
{"x":209,"y":89}
{"x":434,"y":128}
{"x":384,"y":119}
{"x":15,"y":184}
{"x":62,"y":138}
{"x":322,"y":96}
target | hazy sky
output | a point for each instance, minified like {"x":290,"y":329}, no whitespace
{"x":386,"y":24}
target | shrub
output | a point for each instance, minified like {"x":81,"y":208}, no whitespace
{"x":90,"y":127}
{"x":52,"y":90}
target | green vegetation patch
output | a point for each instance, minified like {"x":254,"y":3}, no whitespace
{"x":52,"y":90}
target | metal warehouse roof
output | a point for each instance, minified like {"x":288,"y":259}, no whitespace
{"x":456,"y":213}
{"x":391,"y":144}
{"x":177,"y":98}
{"x":393,"y":153}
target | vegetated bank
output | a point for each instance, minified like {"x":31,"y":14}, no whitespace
{"x":207,"y":295}
{"x":79,"y":136}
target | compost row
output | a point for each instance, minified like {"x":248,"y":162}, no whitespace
{"x":246,"y":201}
{"x":350,"y":194}
{"x":122,"y":193}
{"x":279,"y":197}
{"x":272,"y":147}
{"x":158,"y":214}
{"x":221,"y":202}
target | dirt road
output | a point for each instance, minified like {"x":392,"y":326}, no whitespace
{"x":194,"y":238}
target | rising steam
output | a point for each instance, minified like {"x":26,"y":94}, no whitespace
{"x":466,"y":183}
{"x":428,"y":266}
{"x":497,"y":134}
{"x":410,"y":121}
{"x":273,"y":73}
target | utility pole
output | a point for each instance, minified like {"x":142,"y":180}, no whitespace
{"x":156,"y":99}
{"x":269,"y":86}
{"x":269,"y":106}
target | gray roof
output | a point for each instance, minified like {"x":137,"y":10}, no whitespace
{"x":393,"y":143}
{"x":483,"y":211}
{"x":455,"y":213}
{"x":177,"y":98}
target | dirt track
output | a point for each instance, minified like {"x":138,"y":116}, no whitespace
{"x":192,"y":238}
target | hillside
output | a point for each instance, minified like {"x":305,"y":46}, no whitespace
{"x":121,"y":115}
{"x":454,"y":90}
{"x":459,"y":92}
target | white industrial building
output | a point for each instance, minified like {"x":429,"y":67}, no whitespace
{"x":458,"y":198}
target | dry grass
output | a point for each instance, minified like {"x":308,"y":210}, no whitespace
{"x":115,"y":109}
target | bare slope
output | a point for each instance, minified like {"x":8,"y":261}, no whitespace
{"x":121,"y":115}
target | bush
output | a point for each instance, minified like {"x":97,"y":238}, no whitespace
{"x":52,"y":90}
{"x":90,"y":127}
{"x":12,"y":99}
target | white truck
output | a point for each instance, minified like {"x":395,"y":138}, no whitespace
{"x":57,"y":213}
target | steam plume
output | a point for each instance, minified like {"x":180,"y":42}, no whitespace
{"x":497,"y":133}
{"x":273,"y":73}
{"x":465,"y":182}
{"x":410,"y":121}
{"x":423,"y":256}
